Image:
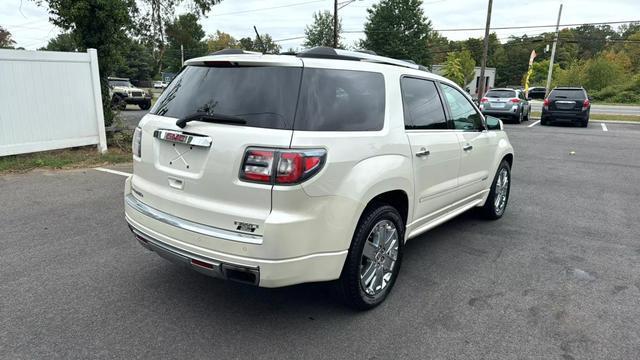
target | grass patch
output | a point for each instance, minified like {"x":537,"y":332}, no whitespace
{"x":634,"y":118}
{"x":63,"y":159}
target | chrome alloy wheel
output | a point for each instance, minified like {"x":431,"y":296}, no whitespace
{"x":379,"y":257}
{"x":501,"y":191}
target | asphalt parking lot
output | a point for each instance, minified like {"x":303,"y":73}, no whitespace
{"x":558,"y":277}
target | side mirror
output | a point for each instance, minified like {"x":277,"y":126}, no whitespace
{"x":493,"y":123}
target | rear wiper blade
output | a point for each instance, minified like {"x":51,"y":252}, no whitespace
{"x":211,"y":118}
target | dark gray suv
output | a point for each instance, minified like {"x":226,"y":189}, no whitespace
{"x":566,"y":104}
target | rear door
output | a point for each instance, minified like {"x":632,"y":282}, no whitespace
{"x":569,"y":100}
{"x":478,"y":145}
{"x":499,"y":99}
{"x":435,"y":147}
{"x":192,"y":173}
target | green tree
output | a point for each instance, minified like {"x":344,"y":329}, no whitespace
{"x":98,"y":24}
{"x":5,"y":39}
{"x":592,"y":39}
{"x":221,"y":40}
{"x":320,"y":33}
{"x":264,"y":45}
{"x":135,"y":60}
{"x":632,"y":49}
{"x":600,"y":73}
{"x":62,"y":42}
{"x":467,"y":65}
{"x":452,"y":69}
{"x":184,"y":31}
{"x":399,"y":29}
{"x":459,"y":67}
{"x":157,"y":14}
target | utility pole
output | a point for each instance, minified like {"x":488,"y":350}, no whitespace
{"x":553,"y":51}
{"x":182,"y":54}
{"x":485,"y":51}
{"x":335,"y":24}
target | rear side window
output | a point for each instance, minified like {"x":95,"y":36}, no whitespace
{"x":573,"y":94}
{"x":422,"y":105}
{"x":340,"y":100}
{"x":501,"y":94}
{"x":263,"y":96}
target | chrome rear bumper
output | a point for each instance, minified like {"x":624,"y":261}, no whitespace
{"x":204,"y":265}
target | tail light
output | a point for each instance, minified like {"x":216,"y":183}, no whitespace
{"x":586,"y":104}
{"x":281,"y":167}
{"x":515,"y":100}
{"x":546,"y":102}
{"x":484,"y":100}
{"x":136,"y":143}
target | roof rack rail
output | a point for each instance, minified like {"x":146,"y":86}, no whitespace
{"x":234,"y":52}
{"x":324,"y":52}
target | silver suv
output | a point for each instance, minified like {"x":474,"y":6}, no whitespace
{"x":275,"y":170}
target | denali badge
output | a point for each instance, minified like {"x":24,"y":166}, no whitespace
{"x":243,"y":226}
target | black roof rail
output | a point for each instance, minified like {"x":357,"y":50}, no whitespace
{"x":323,"y":52}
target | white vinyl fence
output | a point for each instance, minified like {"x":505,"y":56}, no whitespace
{"x":49,"y":100}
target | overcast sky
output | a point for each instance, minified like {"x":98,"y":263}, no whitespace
{"x":287,"y":18}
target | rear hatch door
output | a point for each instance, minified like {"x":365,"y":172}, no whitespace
{"x":499,"y":99}
{"x":568,"y":100}
{"x":192,"y":173}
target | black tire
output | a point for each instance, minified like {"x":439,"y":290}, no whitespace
{"x":117,"y":102}
{"x":585,"y":123}
{"x":544,"y":122}
{"x":489,"y":209}
{"x":145,"y":105}
{"x":349,"y":284}
{"x":519,"y":117}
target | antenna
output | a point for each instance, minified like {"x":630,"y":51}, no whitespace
{"x":264,"y":48}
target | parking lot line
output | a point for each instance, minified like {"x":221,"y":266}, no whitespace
{"x":534,"y":124}
{"x":116,"y":172}
{"x":604,"y":127}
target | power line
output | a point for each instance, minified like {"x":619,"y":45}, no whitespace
{"x":511,"y":27}
{"x":269,"y":8}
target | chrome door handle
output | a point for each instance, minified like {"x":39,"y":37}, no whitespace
{"x":423,"y":152}
{"x":467,"y":147}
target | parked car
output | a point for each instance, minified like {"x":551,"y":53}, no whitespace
{"x":566,"y":104}
{"x":159,"y":84}
{"x":506,"y":103}
{"x":537,"y":93}
{"x":124,"y":93}
{"x":250,"y":169}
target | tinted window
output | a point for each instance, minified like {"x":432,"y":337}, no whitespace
{"x":422,"y":106}
{"x":263,"y":96}
{"x":340,"y":100}
{"x":567,"y":94}
{"x":501,"y":94}
{"x":464,"y":115}
{"x":122,"y":83}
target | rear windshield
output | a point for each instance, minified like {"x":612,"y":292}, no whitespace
{"x":327,"y":100}
{"x":263,"y":96}
{"x":573,"y":94}
{"x":501,"y":94}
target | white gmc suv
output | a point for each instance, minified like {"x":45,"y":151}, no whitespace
{"x":282,"y":169}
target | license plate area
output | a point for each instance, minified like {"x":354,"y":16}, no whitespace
{"x":499,"y":105}
{"x":181,"y":153}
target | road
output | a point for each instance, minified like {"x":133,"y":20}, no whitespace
{"x":601,"y":109}
{"x":558,"y":277}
